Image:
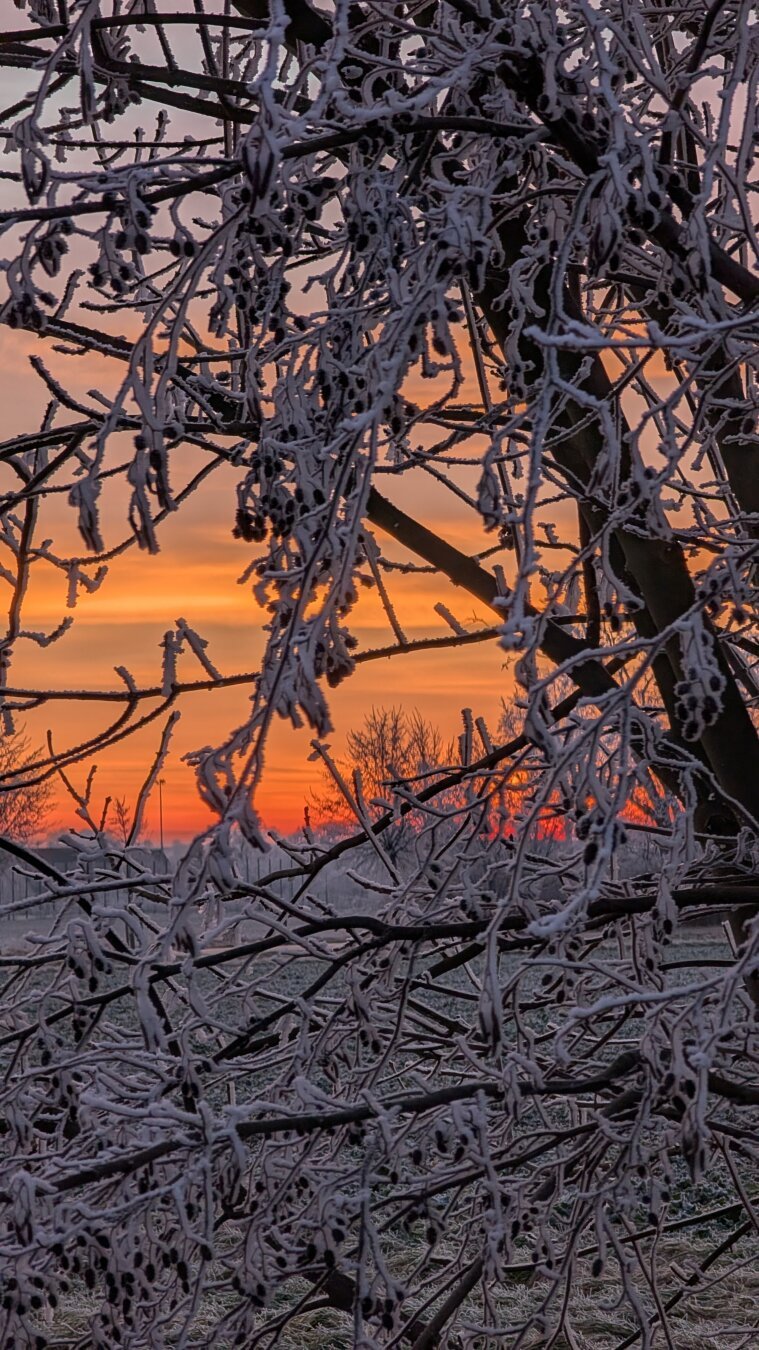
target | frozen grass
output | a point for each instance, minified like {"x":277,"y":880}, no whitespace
{"x":718,"y":1309}
{"x":720,"y":1312}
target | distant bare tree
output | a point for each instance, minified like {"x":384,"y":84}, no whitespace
{"x":319,"y":257}
{"x":121,"y":819}
{"x":24,"y":802}
{"x":388,"y":759}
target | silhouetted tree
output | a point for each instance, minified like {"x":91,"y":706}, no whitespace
{"x":121,"y":819}
{"x":388,"y":759}
{"x":24,"y":803}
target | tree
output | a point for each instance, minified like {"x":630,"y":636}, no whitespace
{"x":338,"y":250}
{"x":121,"y":819}
{"x":24,"y":806}
{"x":392,"y":754}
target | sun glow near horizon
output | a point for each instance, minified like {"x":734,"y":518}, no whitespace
{"x":196,"y":576}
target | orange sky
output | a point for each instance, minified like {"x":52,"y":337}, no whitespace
{"x":195,"y":577}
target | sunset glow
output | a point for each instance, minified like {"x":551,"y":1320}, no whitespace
{"x":196,"y":577}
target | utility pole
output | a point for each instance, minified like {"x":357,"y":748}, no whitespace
{"x":161,"y":782}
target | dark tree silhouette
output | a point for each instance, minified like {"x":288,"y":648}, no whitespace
{"x":121,"y":819}
{"x":392,"y":751}
{"x":24,"y":805}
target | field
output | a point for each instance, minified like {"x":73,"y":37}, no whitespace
{"x":701,"y":1267}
